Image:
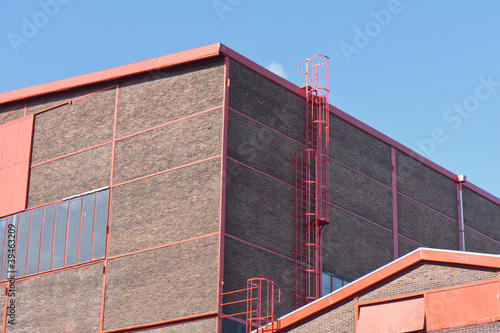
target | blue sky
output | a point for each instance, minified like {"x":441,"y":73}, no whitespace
{"x":426,"y":73}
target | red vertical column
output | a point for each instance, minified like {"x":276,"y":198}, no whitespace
{"x":222,"y":203}
{"x":395,"y":232}
{"x":111,"y":171}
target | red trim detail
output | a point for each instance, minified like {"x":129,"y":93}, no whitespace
{"x":259,"y":247}
{"x":14,"y":109}
{"x":359,"y":216}
{"x":479,"y":233}
{"x":358,"y":172}
{"x":168,"y":170}
{"x":164,"y":323}
{"x":272,"y":129}
{"x":171,"y":122}
{"x":164,"y":245}
{"x":256,"y":170}
{"x":395,"y":232}
{"x":432,"y":209}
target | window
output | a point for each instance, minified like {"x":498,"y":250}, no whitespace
{"x":330,"y":283}
{"x":60,"y":234}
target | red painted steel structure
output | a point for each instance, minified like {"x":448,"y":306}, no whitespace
{"x":260,"y":296}
{"x":311,"y":182}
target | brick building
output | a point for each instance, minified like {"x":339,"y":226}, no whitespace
{"x":138,"y":194}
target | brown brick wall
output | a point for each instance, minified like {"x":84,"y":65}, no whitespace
{"x":162,"y":284}
{"x":427,"y":277}
{"x":180,"y":143}
{"x":425,"y":185}
{"x":406,"y":246}
{"x":165,"y":95}
{"x":425,"y":226}
{"x":72,"y":127}
{"x":68,"y":301}
{"x":200,"y":326}
{"x":69,"y":176}
{"x":243,"y":261}
{"x":353,"y":247}
{"x":339,"y":320}
{"x":166,"y":208}
{"x":482,"y":215}
{"x":261,"y":148}
{"x":259,"y":209}
{"x":266,"y":102}
{"x":360,"y":195}
{"x":360,"y":151}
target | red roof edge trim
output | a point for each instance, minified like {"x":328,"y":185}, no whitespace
{"x":261,"y":70}
{"x":173,"y":59}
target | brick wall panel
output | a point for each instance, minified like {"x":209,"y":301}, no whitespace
{"x":266,"y":102}
{"x":259,"y":209}
{"x":360,"y":195}
{"x":427,"y":277}
{"x":425,"y":185}
{"x":87,"y":122}
{"x":360,"y":151}
{"x":261,"y":148}
{"x":156,"y":98}
{"x":339,"y":320}
{"x":243,"y":261}
{"x":166,"y":208}
{"x":180,"y":143}
{"x":69,"y":176}
{"x":425,"y":226}
{"x":162,"y":284}
{"x":406,"y":246}
{"x":68,"y":301}
{"x":348,"y":239}
{"x":481,"y":214}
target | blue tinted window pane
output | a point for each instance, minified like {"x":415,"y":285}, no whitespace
{"x":3,"y":223}
{"x":34,"y":241}
{"x":86,"y":228}
{"x":100,"y":224}
{"x":22,"y":242}
{"x":325,"y":283}
{"x":47,"y":233}
{"x":337,"y":283}
{"x":10,"y":243}
{"x":75,"y":207}
{"x":60,"y":235}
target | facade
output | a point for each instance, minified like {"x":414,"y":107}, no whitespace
{"x":139,"y":194}
{"x":425,"y":291}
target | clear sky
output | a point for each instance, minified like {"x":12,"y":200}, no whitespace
{"x":424,"y":72}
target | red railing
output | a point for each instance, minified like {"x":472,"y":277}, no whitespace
{"x":260,"y":296}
